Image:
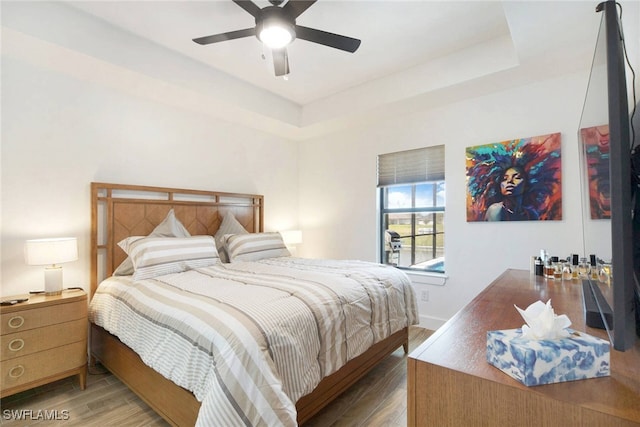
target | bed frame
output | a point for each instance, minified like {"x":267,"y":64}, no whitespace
{"x":119,"y":211}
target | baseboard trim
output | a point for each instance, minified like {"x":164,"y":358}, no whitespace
{"x":430,"y":322}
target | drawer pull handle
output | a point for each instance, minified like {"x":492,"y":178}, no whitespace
{"x":16,"y":321}
{"x":16,"y":344}
{"x":16,"y":371}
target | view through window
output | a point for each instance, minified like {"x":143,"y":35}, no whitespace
{"x":412,"y":208}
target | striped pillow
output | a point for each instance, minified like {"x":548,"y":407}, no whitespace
{"x":169,"y":227}
{"x":230,"y":225}
{"x":156,"y":256}
{"x":255,"y":246}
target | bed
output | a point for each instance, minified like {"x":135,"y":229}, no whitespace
{"x":247,"y":381}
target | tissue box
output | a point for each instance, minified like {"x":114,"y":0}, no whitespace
{"x":536,"y":362}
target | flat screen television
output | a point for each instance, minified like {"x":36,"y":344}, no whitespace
{"x":607,"y":193}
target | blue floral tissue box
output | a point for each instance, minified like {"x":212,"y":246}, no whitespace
{"x":536,"y":362}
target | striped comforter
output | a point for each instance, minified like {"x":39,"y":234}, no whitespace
{"x":250,"y":338}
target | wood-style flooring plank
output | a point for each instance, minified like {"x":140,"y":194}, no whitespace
{"x":355,"y":407}
{"x":379,"y":398}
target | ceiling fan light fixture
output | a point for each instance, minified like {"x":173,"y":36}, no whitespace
{"x":276,"y":28}
{"x":276,"y":34}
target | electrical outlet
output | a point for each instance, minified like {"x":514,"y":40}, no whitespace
{"x":424,"y":296}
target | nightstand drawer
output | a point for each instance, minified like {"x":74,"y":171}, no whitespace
{"x":37,"y":366}
{"x":42,"y":316}
{"x":34,"y":340}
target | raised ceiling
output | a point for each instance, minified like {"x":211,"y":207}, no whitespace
{"x":396,"y":35}
{"x":414,"y":54}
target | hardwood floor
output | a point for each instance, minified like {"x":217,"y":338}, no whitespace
{"x":379,"y":399}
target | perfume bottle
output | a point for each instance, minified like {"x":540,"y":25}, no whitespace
{"x":574,"y":267}
{"x":567,"y":274}
{"x":605,"y":272}
{"x":548,"y":268}
{"x":539,"y":267}
{"x":557,"y":268}
{"x":608,"y":272}
{"x":583,"y":269}
{"x":593,"y":271}
{"x":544,"y":259}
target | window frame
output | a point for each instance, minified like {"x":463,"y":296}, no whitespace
{"x":383,"y":211}
{"x":413,"y":167}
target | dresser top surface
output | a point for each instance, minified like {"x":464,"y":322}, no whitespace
{"x":460,"y":344}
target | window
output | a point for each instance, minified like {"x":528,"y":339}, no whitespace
{"x":412,"y":197}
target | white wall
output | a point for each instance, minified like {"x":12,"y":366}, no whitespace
{"x":338,"y":209}
{"x":338,"y":177}
{"x":62,"y":130}
{"x":68,"y":122}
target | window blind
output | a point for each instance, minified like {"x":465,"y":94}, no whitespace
{"x":411,"y":166}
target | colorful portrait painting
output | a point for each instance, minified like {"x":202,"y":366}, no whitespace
{"x":517,"y":180}
{"x":595,"y":142}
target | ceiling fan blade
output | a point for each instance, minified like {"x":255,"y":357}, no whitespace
{"x":328,"y":39}
{"x":280,"y":61}
{"x":295,"y":8}
{"x":226,"y":36}
{"x":249,"y":6}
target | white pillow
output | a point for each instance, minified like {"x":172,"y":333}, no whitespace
{"x":230,"y":225}
{"x":255,"y":246}
{"x":169,"y":227}
{"x":157,"y":256}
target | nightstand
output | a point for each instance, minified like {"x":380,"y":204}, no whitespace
{"x":43,"y":339}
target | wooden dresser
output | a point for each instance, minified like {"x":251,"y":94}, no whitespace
{"x":43,"y":339}
{"x":450,"y":382}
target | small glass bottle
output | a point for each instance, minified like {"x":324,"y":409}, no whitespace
{"x":567,"y":275}
{"x":548,"y":268}
{"x":539,"y":267}
{"x":583,"y":269}
{"x":574,"y":267}
{"x":557,"y":268}
{"x":603,"y":273}
{"x":593,"y":271}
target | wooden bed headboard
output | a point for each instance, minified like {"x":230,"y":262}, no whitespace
{"x":119,"y":211}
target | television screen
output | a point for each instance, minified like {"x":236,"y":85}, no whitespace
{"x":605,"y":146}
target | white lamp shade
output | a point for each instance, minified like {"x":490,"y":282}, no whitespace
{"x":51,"y":251}
{"x":291,"y":237}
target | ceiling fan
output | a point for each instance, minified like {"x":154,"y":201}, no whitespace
{"x":276,"y":28}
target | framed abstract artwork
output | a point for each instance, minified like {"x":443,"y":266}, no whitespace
{"x":516,"y":180}
{"x":595,"y":141}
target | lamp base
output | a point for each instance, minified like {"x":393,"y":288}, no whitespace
{"x":53,"y":280}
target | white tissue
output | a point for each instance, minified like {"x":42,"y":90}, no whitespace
{"x":542,"y":322}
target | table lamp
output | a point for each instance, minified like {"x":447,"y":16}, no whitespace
{"x":51,"y":252}
{"x":291,"y":238}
